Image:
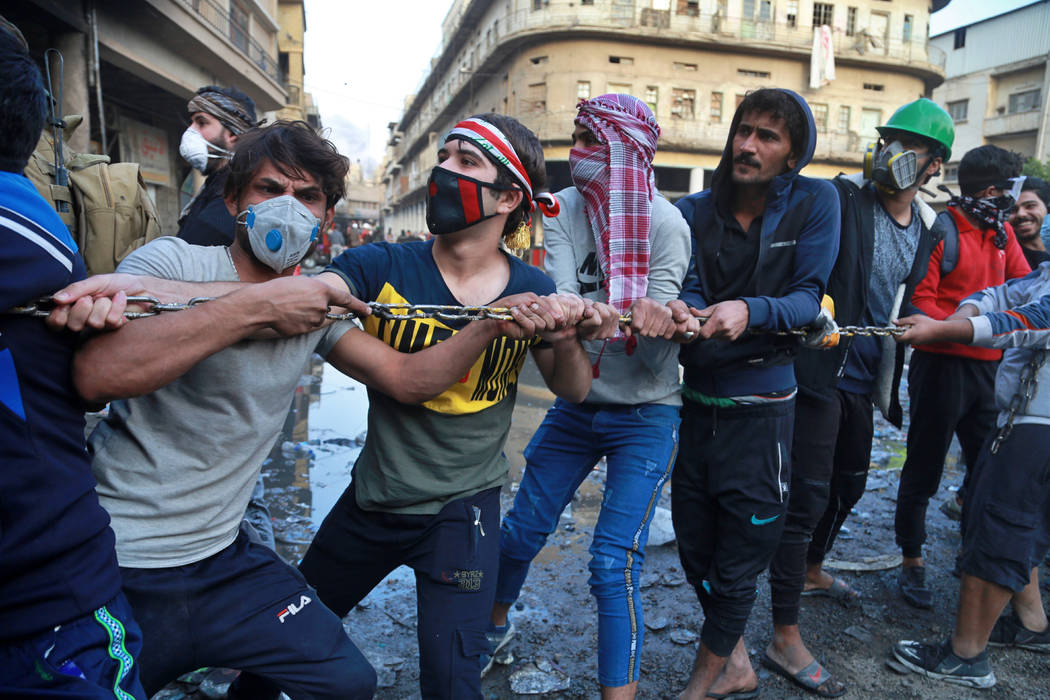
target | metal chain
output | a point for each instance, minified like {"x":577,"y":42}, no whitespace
{"x":400,"y":312}
{"x":1026,"y":386}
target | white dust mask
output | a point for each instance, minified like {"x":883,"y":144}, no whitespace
{"x":280,"y":231}
{"x":196,"y":150}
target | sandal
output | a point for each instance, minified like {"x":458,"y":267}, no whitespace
{"x":839,"y":590}
{"x":814,"y":678}
{"x":735,"y":695}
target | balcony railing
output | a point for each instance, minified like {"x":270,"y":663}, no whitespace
{"x":1016,"y":123}
{"x":637,"y":22}
{"x":696,"y":135}
{"x":218,"y":17}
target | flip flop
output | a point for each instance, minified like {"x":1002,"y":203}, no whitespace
{"x":813,"y":678}
{"x":735,"y":695}
{"x":839,"y":590}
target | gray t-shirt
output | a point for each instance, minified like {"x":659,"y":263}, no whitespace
{"x":895,"y":248}
{"x":176,"y":467}
{"x":650,"y":374}
{"x":892,"y":258}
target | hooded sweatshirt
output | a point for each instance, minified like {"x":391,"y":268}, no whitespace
{"x":1015,"y":317}
{"x":797,"y":247}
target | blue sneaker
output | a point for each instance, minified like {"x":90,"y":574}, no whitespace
{"x":498,"y":638}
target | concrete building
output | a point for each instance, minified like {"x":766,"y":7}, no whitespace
{"x":996,"y":83}
{"x":130,"y":68}
{"x":358,"y":212}
{"x":690,"y":60}
{"x":291,"y":38}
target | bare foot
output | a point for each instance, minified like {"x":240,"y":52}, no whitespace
{"x":792,"y":655}
{"x":737,"y":675}
{"x":818,"y":579}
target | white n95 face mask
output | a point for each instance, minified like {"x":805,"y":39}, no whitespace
{"x":196,"y":150}
{"x":280,"y":231}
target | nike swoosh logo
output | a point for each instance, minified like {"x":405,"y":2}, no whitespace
{"x":755,"y":520}
{"x":815,"y":677}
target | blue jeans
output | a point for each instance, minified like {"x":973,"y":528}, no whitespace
{"x":639,"y":443}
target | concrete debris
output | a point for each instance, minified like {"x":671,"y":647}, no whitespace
{"x":656,"y":623}
{"x":858,"y":633}
{"x":539,"y":676}
{"x":661,"y":531}
{"x":683,"y":636}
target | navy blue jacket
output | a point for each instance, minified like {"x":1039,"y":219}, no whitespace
{"x":56,"y":547}
{"x":797,"y":249}
{"x":207,"y":221}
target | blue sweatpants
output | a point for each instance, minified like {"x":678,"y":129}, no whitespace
{"x":94,"y":657}
{"x":639,"y":443}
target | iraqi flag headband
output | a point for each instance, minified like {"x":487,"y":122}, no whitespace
{"x":497,"y":147}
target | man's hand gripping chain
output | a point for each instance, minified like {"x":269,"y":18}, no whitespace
{"x":823,"y":333}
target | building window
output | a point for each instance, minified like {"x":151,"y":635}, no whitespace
{"x":716,"y":108}
{"x":690,"y":8}
{"x":239,"y":20}
{"x":752,"y":73}
{"x":538,"y":4}
{"x":844,"y":117}
{"x":586,"y":2}
{"x":621,"y":88}
{"x":951,"y":173}
{"x":652,"y":96}
{"x":683,"y":103}
{"x":874,"y":87}
{"x":583,"y":89}
{"x":684,"y":66}
{"x":622,"y":60}
{"x":820,"y":116}
{"x":537,"y":60}
{"x":960,"y":38}
{"x":537,"y":97}
{"x":851,"y":21}
{"x":869,"y":120}
{"x":739,"y":98}
{"x":958,"y":110}
{"x":822,"y":13}
{"x":909,"y":22}
{"x":1023,"y":101}
{"x":792,"y":13}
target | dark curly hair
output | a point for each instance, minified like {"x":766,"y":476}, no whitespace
{"x":294,"y":148}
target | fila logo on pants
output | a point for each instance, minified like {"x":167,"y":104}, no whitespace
{"x":292,"y":608}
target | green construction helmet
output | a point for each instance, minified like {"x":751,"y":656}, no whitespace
{"x":925,"y":118}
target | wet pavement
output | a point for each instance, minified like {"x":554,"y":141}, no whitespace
{"x":554,"y":649}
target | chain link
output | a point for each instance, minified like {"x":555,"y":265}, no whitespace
{"x":1026,"y":386}
{"x":43,"y":306}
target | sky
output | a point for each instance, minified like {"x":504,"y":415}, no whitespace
{"x":960,"y":13}
{"x":362,"y":58}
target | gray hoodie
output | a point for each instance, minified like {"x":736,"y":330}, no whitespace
{"x":1016,"y":317}
{"x":650,"y":374}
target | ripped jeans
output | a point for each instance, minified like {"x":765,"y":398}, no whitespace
{"x":640,"y":443}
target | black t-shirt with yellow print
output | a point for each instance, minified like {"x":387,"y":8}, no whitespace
{"x":418,"y":458}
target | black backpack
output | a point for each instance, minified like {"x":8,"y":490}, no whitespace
{"x":950,"y":236}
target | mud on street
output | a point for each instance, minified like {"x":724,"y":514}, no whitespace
{"x":556,"y":618}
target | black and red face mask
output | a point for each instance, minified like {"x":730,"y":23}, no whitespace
{"x":455,"y":202}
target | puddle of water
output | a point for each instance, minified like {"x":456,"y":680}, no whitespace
{"x":309,"y":465}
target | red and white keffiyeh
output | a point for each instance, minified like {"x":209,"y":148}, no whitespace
{"x":617,"y":183}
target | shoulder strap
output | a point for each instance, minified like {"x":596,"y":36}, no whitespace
{"x":950,"y":235}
